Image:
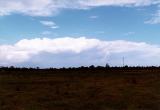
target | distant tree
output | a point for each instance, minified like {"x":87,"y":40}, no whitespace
{"x":11,"y":67}
{"x":107,"y":65}
{"x":126,"y":66}
{"x":82,"y":67}
{"x":92,"y":66}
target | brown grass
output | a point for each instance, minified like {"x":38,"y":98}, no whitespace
{"x":80,"y":90}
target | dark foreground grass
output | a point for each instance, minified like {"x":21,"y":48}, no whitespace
{"x":80,"y":89}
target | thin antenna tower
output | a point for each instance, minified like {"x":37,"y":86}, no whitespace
{"x":123,"y":61}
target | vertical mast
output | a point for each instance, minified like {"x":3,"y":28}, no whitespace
{"x":123,"y":61}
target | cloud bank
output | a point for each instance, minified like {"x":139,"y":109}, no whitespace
{"x":69,"y":51}
{"x":52,"y":7}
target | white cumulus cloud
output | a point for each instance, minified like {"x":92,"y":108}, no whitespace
{"x":77,"y":51}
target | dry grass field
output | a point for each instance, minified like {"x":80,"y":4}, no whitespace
{"x":76,"y":89}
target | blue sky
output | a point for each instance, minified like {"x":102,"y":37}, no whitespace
{"x":67,"y":33}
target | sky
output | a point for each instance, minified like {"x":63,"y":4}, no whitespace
{"x":73,"y":33}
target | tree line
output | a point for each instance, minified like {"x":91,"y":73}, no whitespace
{"x":107,"y":66}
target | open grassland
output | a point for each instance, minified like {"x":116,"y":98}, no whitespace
{"x":76,"y":89}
